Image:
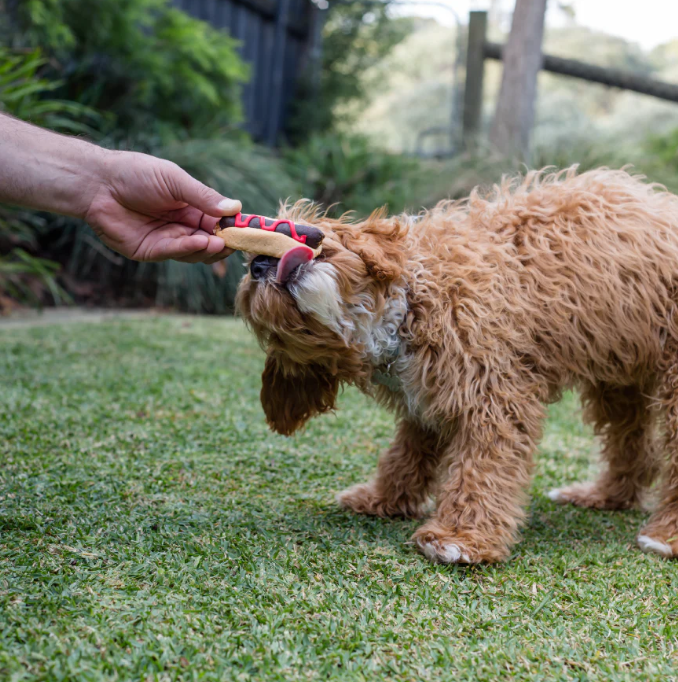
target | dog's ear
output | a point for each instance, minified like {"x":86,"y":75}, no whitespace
{"x":380,"y":244}
{"x":291,"y":394}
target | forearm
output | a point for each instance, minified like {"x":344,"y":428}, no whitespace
{"x":43,"y":170}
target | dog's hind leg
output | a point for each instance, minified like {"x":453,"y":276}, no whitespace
{"x":622,"y":417}
{"x":660,"y":535}
{"x":487,"y":466}
{"x":405,"y":475}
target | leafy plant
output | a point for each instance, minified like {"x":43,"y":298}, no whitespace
{"x":350,"y":173}
{"x":153,"y":68}
{"x":24,"y":94}
{"x":665,"y":147}
{"x":138,"y":61}
{"x":239,"y":169}
{"x":26,"y":279}
{"x":656,"y":157}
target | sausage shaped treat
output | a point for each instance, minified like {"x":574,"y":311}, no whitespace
{"x":266,"y":236}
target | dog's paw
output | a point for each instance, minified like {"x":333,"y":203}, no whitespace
{"x":659,"y":540}
{"x":443,"y":552}
{"x":365,"y":499}
{"x":591,"y":496}
{"x":650,"y":545}
{"x":445,"y":546}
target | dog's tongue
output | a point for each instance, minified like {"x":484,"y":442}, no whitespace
{"x":292,"y":259}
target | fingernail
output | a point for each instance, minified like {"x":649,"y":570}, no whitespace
{"x":229,"y":206}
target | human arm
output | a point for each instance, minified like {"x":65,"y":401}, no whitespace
{"x":145,"y":208}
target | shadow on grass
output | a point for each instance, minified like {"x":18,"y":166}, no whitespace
{"x":553,"y":529}
{"x":251,"y":531}
{"x":550,"y":534}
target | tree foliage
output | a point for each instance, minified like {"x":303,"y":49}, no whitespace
{"x":356,"y":38}
{"x":152,"y":68}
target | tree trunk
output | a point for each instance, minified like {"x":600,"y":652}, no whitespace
{"x":522,"y":60}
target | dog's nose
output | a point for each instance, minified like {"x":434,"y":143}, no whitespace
{"x":261,"y":266}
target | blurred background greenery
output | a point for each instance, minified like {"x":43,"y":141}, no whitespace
{"x":143,"y":74}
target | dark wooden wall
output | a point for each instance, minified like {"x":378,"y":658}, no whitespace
{"x":278,"y":39}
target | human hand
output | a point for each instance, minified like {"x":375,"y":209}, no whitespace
{"x":149,"y":209}
{"x":145,"y":208}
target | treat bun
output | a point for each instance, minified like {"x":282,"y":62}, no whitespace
{"x":261,"y":242}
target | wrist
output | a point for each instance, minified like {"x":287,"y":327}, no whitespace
{"x":46,"y":171}
{"x":83,"y":173}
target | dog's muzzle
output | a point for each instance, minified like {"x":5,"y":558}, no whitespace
{"x":263,"y":268}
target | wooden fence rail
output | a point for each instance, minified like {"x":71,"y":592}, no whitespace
{"x":480,"y":49}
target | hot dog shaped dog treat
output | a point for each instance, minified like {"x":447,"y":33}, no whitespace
{"x":266,"y":236}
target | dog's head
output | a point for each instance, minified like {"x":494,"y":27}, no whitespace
{"x":315,"y":323}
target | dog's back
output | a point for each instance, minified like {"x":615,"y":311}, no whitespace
{"x":574,"y":273}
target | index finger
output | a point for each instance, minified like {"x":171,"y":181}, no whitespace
{"x":193,"y":218}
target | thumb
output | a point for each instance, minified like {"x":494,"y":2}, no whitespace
{"x":205,"y":199}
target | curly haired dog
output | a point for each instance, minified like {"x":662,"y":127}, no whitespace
{"x":466,"y":322}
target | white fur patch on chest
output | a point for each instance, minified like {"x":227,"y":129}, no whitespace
{"x":377,"y":332}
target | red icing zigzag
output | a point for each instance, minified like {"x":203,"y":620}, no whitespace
{"x":239,"y":222}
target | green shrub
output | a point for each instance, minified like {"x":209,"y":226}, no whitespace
{"x":24,"y":94}
{"x":665,"y":149}
{"x":153,"y":69}
{"x":351,"y":174}
{"x":158,"y":75}
{"x":32,"y":243}
{"x":657,"y":158}
{"x":25,"y":277}
{"x":238,"y":169}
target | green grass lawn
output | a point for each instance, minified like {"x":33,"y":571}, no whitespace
{"x":151,"y":528}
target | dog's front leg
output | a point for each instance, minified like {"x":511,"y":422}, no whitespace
{"x":405,"y":475}
{"x":486,"y":471}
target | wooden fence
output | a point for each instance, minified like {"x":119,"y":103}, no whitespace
{"x":479,"y":49}
{"x":280,"y":39}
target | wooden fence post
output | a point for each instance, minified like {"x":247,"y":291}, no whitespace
{"x":473,"y":90}
{"x":523,"y":59}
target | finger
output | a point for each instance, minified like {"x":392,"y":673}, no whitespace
{"x":186,"y":253}
{"x":212,"y":253}
{"x":194,"y":193}
{"x":219,"y":256}
{"x":215,"y":246}
{"x":181,"y":248}
{"x":191,"y":217}
{"x":208,"y":223}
